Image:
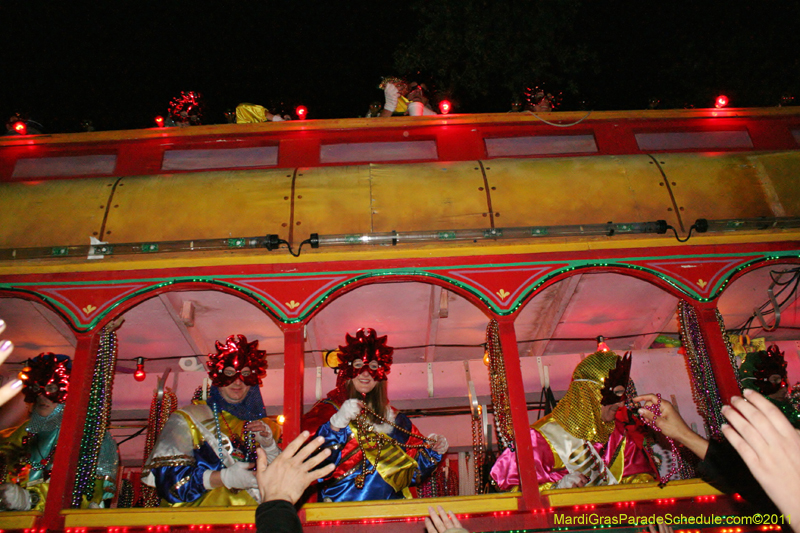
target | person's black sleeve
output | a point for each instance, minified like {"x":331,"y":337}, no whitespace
{"x":725,"y":470}
{"x":277,"y":516}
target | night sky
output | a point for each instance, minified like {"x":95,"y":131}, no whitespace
{"x":119,"y":63}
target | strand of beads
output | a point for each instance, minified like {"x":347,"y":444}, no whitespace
{"x":218,"y":432}
{"x":676,"y":456}
{"x":704,"y":386}
{"x":499,"y":388}
{"x":97,"y":416}
{"x":369,"y":438}
{"x":370,"y":429}
{"x":160,"y":410}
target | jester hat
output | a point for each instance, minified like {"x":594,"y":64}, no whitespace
{"x":237,"y":358}
{"x":367,"y":348}
{"x":46,"y":374}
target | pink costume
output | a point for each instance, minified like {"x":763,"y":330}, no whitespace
{"x":574,"y":439}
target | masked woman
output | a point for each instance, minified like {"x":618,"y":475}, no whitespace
{"x":26,"y":452}
{"x":378,"y":452}
{"x":205,"y":453}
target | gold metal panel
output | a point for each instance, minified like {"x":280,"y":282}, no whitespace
{"x":428,"y":196}
{"x":18,"y":519}
{"x":782,"y":171}
{"x":202,"y":205}
{"x":581,"y":190}
{"x":715,"y":186}
{"x":488,"y":503}
{"x":684,"y":488}
{"x":331,"y":201}
{"x":52,"y":213}
{"x":176,"y":516}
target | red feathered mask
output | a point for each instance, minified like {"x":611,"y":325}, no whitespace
{"x":236,"y":359}
{"x":46,"y":374}
{"x":365,"y":351}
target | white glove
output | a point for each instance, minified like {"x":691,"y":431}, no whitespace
{"x":572,"y":480}
{"x":265,"y":442}
{"x":348,"y":412}
{"x":239,"y":476}
{"x":440,"y":444}
{"x":14,"y":497}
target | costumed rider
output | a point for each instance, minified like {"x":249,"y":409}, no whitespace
{"x":765,"y":372}
{"x":206,"y":451}
{"x":394,"y":95}
{"x":378,"y":452}
{"x":589,"y":438}
{"x":254,"y":113}
{"x":26,"y":452}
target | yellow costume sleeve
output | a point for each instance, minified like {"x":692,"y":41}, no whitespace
{"x":250,"y":114}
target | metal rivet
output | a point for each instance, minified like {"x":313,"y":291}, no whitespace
{"x":661,"y":183}
{"x":101,"y":207}
{"x":485,"y":214}
{"x":494,"y":188}
{"x":674,"y":183}
{"x":497,"y":214}
{"x":298,"y":222}
{"x":284,"y":224}
{"x":285,"y":197}
{"x":108,"y":232}
{"x":480,"y":188}
{"x":299,"y":196}
{"x":116,"y":205}
{"x":94,"y":233}
{"x":681,"y":209}
{"x":669,"y":209}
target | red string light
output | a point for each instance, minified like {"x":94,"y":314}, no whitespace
{"x":140,"y":374}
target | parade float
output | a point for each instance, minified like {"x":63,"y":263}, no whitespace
{"x":492,"y":250}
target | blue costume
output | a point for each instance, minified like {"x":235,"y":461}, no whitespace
{"x":202,"y":437}
{"x":396,"y":469}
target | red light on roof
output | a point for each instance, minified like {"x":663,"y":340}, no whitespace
{"x":160,"y":121}
{"x":445,"y":107}
{"x":20,"y":127}
{"x":721,"y":101}
{"x":301,"y":111}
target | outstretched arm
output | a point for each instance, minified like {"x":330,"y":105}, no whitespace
{"x":292,"y":471}
{"x":672,"y":425}
{"x":11,"y":388}
{"x":770,"y":447}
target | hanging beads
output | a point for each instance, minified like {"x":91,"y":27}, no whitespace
{"x":676,"y":456}
{"x":701,"y":375}
{"x":499,"y":388}
{"x":97,"y":416}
